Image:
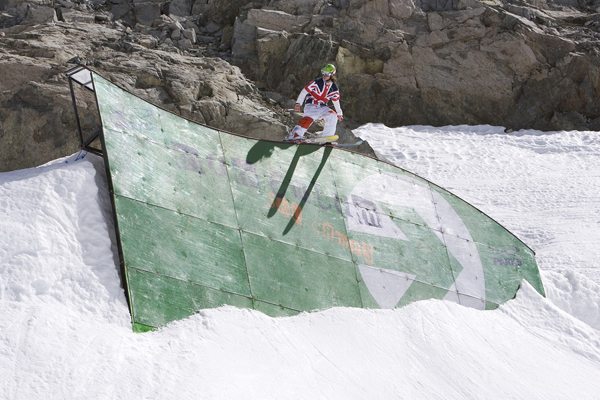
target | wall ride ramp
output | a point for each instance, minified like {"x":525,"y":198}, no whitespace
{"x":207,"y":218}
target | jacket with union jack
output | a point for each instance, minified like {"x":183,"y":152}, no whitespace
{"x":318,"y":92}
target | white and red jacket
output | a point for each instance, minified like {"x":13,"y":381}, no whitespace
{"x":319,"y":92}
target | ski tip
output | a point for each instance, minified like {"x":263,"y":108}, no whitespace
{"x":350,"y":144}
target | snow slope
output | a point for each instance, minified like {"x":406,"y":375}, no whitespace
{"x":65,"y":330}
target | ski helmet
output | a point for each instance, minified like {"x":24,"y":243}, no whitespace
{"x":328,"y":70}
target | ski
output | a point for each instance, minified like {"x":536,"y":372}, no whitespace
{"x":316,"y":140}
{"x":327,"y":141}
{"x":348,"y":144}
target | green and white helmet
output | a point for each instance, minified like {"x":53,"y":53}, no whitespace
{"x":328,"y":70}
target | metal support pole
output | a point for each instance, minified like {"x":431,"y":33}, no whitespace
{"x":76,"y":113}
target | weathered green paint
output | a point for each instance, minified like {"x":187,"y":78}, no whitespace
{"x":274,"y":310}
{"x":141,"y":328}
{"x":166,"y":242}
{"x":297,"y":278}
{"x":177,"y":187}
{"x":158,"y":299}
{"x":208,"y":218}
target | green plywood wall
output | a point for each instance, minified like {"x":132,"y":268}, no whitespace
{"x":208,"y":218}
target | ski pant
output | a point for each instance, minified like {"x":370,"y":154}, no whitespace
{"x":313,"y":112}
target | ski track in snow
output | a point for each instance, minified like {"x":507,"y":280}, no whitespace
{"x":65,"y":330}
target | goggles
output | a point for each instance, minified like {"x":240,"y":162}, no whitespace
{"x":325,"y":73}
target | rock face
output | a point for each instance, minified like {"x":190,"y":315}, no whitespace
{"x":38,"y":121}
{"x":226,"y":63}
{"x":434,"y":62}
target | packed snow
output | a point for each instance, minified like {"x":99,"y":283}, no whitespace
{"x":65,"y":329}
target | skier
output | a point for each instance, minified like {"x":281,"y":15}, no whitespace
{"x":317,"y":95}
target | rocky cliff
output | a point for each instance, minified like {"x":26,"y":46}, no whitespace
{"x":226,"y":63}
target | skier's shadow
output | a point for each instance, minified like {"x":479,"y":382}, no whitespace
{"x":265,"y":149}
